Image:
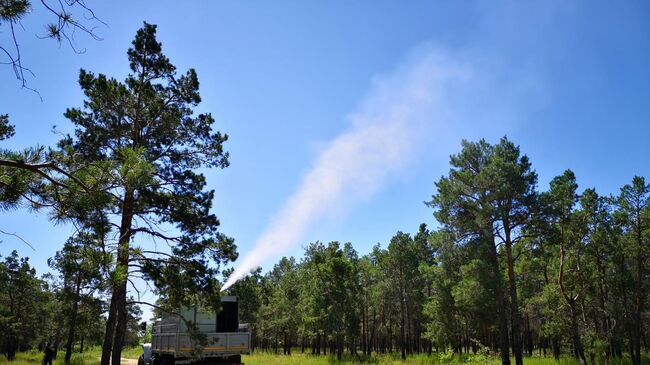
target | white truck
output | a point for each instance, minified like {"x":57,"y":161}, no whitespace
{"x":172,"y":344}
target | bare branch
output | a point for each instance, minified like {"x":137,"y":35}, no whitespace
{"x":134,"y":287}
{"x":154,"y":306}
{"x":20,"y":238}
{"x":63,"y":28}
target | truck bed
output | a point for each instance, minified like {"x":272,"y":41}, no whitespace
{"x":218,"y":344}
{"x":170,"y":335}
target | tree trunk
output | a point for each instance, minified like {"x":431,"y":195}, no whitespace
{"x":514,"y":305}
{"x":575,"y":335}
{"x":364,"y":328}
{"x":107,"y":345}
{"x":555,"y":343}
{"x":602,"y":298}
{"x":122,"y":269}
{"x":57,"y":337}
{"x":636,"y":340}
{"x":504,"y":342}
{"x":571,"y":301}
{"x":73,"y":321}
{"x":529,"y":337}
{"x":339,"y":346}
{"x":372,"y":333}
{"x":11,"y":349}
{"x":120,"y":328}
{"x":401,"y":329}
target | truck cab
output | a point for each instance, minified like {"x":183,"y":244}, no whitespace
{"x":225,"y":339}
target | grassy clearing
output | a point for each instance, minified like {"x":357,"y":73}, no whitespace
{"x":262,"y":358}
{"x":89,"y":357}
{"x":129,"y":352}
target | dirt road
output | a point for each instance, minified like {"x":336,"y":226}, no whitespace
{"x":126,"y":361}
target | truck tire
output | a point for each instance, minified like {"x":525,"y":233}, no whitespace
{"x":141,"y":360}
{"x":235,"y":359}
{"x":162,"y":360}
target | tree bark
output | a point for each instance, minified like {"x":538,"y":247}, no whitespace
{"x":571,"y":301}
{"x":504,"y":342}
{"x":402,"y":344}
{"x":107,"y":345}
{"x":73,"y":321}
{"x":514,"y":305}
{"x":119,"y":291}
{"x":339,"y":345}
{"x":120,"y":328}
{"x":555,"y":343}
{"x":364,"y":328}
{"x":575,"y":335}
{"x":636,"y":340}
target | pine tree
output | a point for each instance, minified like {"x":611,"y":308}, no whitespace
{"x":634,"y":214}
{"x":145,"y":141}
{"x":79,"y":265}
{"x":465,"y":206}
{"x":23,"y":301}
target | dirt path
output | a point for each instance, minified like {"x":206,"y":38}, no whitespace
{"x":125,"y":361}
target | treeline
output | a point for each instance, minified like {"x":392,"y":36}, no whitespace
{"x":510,"y":270}
{"x":64,"y":309}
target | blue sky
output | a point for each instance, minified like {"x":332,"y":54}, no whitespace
{"x":568,"y":81}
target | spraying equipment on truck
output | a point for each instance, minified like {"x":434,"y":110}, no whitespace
{"x":224,"y":340}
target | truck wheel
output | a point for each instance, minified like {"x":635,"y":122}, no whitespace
{"x":161,"y":360}
{"x":235,"y":359}
{"x":141,"y":360}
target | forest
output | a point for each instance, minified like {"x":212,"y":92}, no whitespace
{"x":509,"y":270}
{"x":506,"y":268}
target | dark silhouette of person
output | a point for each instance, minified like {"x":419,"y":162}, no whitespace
{"x":49,"y":354}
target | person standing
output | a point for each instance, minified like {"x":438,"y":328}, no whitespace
{"x":49,"y":354}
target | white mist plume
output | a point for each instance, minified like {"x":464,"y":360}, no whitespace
{"x":400,"y":112}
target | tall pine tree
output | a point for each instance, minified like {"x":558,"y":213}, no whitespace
{"x":148,"y":141}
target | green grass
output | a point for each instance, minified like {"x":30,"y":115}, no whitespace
{"x":131,"y":352}
{"x":263,"y":358}
{"x":89,"y":357}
